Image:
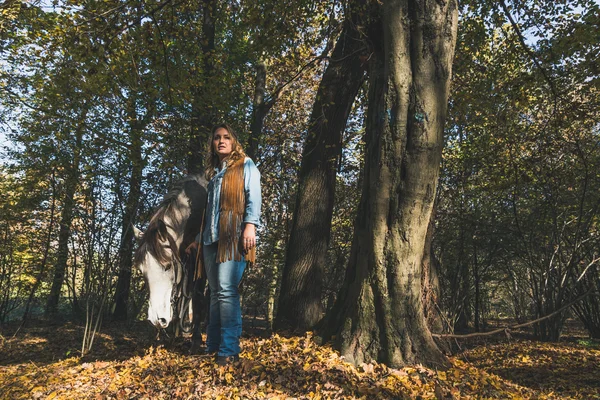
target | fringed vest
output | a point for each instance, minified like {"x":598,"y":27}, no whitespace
{"x":231,"y":215}
{"x":232,"y":207}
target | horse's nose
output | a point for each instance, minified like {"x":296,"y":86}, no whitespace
{"x":163,"y":322}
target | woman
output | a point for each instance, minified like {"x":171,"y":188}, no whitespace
{"x":229,"y":237}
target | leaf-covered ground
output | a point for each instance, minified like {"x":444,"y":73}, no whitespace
{"x":41,"y":363}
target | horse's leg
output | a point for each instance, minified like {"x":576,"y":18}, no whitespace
{"x":206,"y":305}
{"x":199,"y":306}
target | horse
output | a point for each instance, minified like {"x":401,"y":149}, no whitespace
{"x":161,"y":251}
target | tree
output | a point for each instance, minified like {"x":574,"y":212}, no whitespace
{"x":203,"y":111}
{"x":138,"y":88}
{"x":300,"y":305}
{"x":72,"y":172}
{"x":378,"y":315}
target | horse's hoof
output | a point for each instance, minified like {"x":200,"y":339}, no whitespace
{"x":197,"y":348}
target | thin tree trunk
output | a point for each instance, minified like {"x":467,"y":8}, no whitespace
{"x":379,"y":313}
{"x":588,"y":310}
{"x":464,"y":297}
{"x":42,"y":270}
{"x":66,"y":218}
{"x":259,"y":110}
{"x":131,"y":207}
{"x":202,"y":109}
{"x":72,"y":285}
{"x":5,"y":271}
{"x":63,"y":240}
{"x":272,"y":292}
{"x":477,"y":283}
{"x":300,"y":305}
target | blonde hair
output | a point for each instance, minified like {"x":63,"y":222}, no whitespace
{"x":212,"y":158}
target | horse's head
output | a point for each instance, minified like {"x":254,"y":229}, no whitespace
{"x":157,"y":256}
{"x":156,"y":260}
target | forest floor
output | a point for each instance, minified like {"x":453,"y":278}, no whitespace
{"x":42,"y":362}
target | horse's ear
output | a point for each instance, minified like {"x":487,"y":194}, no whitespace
{"x":137,"y":233}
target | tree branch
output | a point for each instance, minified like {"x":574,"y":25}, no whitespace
{"x":507,"y":329}
{"x":528,"y":50}
{"x":277,"y":93}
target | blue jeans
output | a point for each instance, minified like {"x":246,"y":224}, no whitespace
{"x":225,"y":318}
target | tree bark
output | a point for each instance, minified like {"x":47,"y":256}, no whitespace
{"x":202,"y":110}
{"x":300,"y":305}
{"x":379,"y":312}
{"x":430,"y":281}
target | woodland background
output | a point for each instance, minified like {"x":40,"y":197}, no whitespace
{"x":105,"y":104}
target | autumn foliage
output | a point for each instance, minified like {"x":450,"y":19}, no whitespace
{"x":41,"y":363}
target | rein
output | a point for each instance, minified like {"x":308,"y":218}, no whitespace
{"x":181,"y":294}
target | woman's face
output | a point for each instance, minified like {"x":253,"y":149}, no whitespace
{"x":222,"y":143}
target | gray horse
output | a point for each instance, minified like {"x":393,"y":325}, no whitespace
{"x":159,"y":256}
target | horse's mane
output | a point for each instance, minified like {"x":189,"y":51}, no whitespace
{"x":156,"y":234}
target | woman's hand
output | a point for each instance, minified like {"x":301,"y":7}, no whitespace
{"x":192,"y":246}
{"x":249,"y":237}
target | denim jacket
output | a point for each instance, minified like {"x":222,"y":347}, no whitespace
{"x":253,"y":201}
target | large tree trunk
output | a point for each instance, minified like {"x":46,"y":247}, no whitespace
{"x":131,"y":207}
{"x":66,"y":217}
{"x":300,"y":305}
{"x":202,"y":110}
{"x":379,"y":313}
